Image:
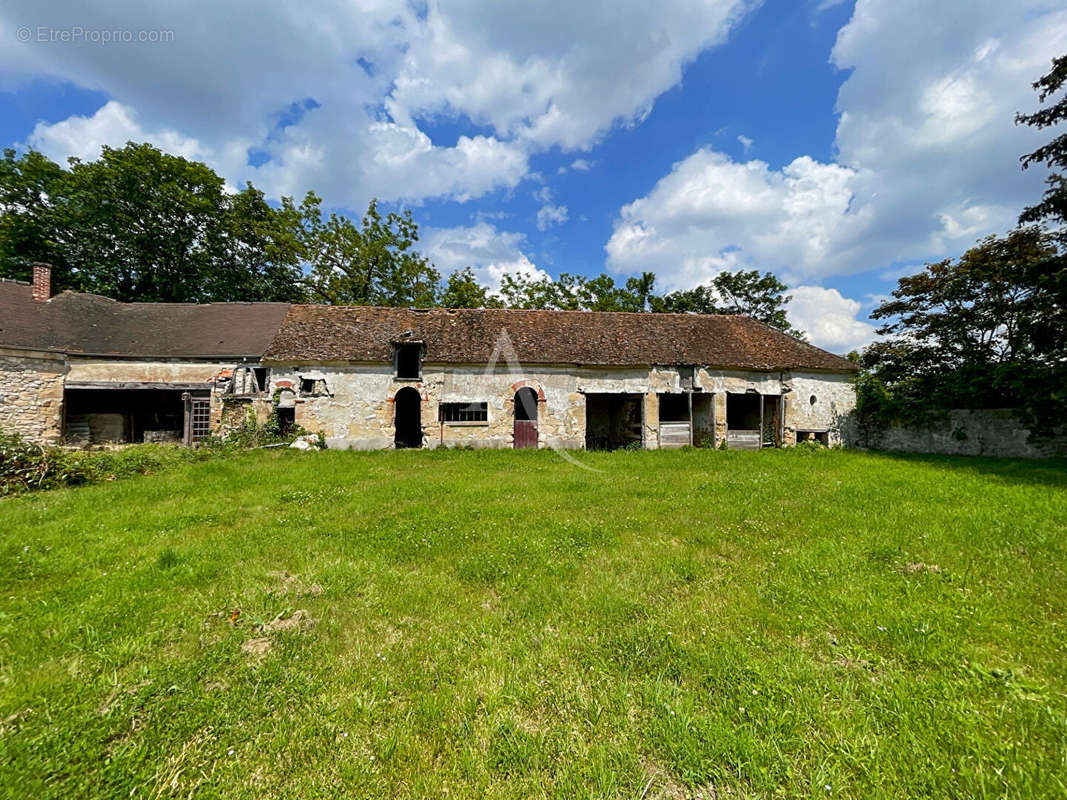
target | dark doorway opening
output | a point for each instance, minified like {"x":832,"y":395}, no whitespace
{"x":101,"y":415}
{"x":675,"y":426}
{"x":286,"y":420}
{"x":771,"y":420}
{"x":525,"y":432}
{"x":744,"y":421}
{"x":614,"y":421}
{"x":407,"y":418}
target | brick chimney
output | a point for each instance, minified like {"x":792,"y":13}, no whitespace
{"x":42,"y":282}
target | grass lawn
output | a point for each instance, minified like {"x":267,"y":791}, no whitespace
{"x":504,"y":624}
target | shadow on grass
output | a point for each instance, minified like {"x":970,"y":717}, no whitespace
{"x":1037,"y":472}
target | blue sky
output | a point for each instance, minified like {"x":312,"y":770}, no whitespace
{"x":837,"y":144}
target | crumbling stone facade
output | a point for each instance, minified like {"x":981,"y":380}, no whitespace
{"x":31,"y":394}
{"x":94,"y":370}
{"x":353,"y":405}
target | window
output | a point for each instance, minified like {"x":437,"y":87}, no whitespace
{"x":201,"y":419}
{"x":260,"y":374}
{"x":409,"y":361}
{"x":463,"y":412}
{"x":312,"y":386}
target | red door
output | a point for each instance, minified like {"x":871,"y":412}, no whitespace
{"x":525,"y":418}
{"x":525,"y":433}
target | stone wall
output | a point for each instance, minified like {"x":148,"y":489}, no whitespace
{"x":353,"y":405}
{"x":820,"y":402}
{"x":985,"y":432}
{"x":31,"y":395}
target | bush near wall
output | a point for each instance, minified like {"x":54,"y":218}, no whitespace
{"x":26,"y":467}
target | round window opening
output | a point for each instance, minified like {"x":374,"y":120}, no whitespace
{"x":811,"y":400}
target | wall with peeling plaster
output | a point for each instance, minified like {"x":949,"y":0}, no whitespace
{"x":356,"y":409}
{"x":832,"y":411}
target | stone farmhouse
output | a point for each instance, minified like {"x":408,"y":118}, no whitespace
{"x":83,"y":369}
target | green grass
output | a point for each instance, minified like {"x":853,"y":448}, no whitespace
{"x":504,"y":624}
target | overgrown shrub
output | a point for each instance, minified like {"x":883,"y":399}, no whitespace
{"x":251,"y":434}
{"x":25,"y":466}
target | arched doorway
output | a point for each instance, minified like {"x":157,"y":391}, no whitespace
{"x":407,"y":418}
{"x":525,"y":418}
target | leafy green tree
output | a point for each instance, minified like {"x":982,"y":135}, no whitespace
{"x":27,"y":184}
{"x":571,"y":292}
{"x":761,"y":297}
{"x":374,"y":264}
{"x":262,"y":250}
{"x":139,"y":224}
{"x":1053,"y":206}
{"x":640,"y":292}
{"x":986,"y":330}
{"x":464,"y":291}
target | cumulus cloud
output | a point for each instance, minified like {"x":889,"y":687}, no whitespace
{"x":489,"y":252}
{"x":829,"y":319}
{"x":712,"y":213}
{"x":549,"y":215}
{"x":531,"y":77}
{"x":745,"y":141}
{"x":927,"y":155}
{"x":113,"y":124}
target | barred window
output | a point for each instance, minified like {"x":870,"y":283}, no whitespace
{"x":463,"y":412}
{"x":201,"y":424}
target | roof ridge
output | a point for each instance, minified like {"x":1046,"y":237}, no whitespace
{"x":431,"y":309}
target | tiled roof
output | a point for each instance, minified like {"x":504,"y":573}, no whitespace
{"x":92,"y":325}
{"x":356,"y":333}
{"x":84,"y":323}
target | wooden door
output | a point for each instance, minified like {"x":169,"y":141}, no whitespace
{"x":525,"y":432}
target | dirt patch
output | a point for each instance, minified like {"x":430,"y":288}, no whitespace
{"x":299,"y":620}
{"x":290,"y":583}
{"x":913,"y":567}
{"x":256,"y":648}
{"x":852,"y":663}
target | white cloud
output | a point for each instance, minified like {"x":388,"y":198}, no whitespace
{"x":746,"y":142}
{"x":927,"y":155}
{"x":490,"y":253}
{"x":829,"y":319}
{"x":113,"y":124}
{"x":712,"y":213}
{"x":533,"y":77}
{"x":582,"y":165}
{"x":550,"y":215}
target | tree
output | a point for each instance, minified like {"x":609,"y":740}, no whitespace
{"x":139,"y":224}
{"x":464,"y":291}
{"x":576,"y":292}
{"x":761,"y":297}
{"x":375,"y":264}
{"x":26,"y":186}
{"x":262,"y":249}
{"x":987,"y":330}
{"x":1053,"y":206}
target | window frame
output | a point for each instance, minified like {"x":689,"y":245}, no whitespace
{"x":477,"y":412}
